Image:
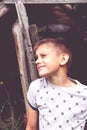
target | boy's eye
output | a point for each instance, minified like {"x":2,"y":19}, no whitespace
{"x":43,"y":55}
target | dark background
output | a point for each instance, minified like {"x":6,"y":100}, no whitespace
{"x":42,"y":15}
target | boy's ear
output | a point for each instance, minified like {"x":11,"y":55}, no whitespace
{"x":65,"y":58}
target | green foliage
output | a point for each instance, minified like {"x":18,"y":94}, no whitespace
{"x":9,"y":121}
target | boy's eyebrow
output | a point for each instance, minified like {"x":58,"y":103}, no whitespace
{"x":41,"y":53}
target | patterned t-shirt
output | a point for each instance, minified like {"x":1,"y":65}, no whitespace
{"x":60,"y":108}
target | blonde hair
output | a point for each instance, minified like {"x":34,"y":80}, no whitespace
{"x":58,"y":43}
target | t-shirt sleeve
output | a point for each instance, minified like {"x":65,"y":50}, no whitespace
{"x":31,"y":95}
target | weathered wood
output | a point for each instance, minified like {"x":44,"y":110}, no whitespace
{"x":45,"y":1}
{"x":34,"y":33}
{"x":24,"y":23}
{"x":3,"y":9}
{"x":21,"y":57}
{"x":24,"y":50}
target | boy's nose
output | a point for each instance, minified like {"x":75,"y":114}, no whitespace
{"x":37,"y":61}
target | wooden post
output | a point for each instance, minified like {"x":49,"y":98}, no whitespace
{"x":24,"y":50}
{"x":21,"y":57}
{"x":24,"y":24}
{"x":34,"y":33}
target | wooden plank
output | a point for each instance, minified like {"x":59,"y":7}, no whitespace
{"x":21,"y":57}
{"x":24,"y":23}
{"x":45,"y":1}
{"x":24,"y":50}
{"x":34,"y":33}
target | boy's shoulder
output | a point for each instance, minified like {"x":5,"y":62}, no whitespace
{"x":81,"y":89}
{"x":81,"y":84}
{"x":38,"y":83}
{"x":39,"y":80}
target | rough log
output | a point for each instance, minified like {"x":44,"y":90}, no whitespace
{"x":24,"y":50}
{"x":21,"y":57}
{"x":24,"y":23}
{"x":34,"y":33}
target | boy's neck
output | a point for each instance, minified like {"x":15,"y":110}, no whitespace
{"x":62,"y":81}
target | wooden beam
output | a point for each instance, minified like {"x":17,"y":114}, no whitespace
{"x":21,"y":57}
{"x":24,"y":24}
{"x":3,"y":9}
{"x":34,"y":34}
{"x":24,"y":50}
{"x":44,"y":1}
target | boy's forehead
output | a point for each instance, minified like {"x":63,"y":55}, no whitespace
{"x":45,"y":48}
{"x":47,"y":45}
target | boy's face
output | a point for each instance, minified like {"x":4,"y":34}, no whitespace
{"x":48,"y":61}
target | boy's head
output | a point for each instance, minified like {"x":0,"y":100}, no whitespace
{"x":46,"y":48}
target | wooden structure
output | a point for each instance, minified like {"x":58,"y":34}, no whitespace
{"x":45,"y":1}
{"x":22,"y":38}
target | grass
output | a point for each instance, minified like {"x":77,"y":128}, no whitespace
{"x":8,"y":119}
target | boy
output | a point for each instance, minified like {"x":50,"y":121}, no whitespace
{"x":56,"y":102}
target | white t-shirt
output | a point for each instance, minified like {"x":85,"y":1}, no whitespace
{"x":60,"y":108}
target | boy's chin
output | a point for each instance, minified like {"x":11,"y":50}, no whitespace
{"x":42,"y":75}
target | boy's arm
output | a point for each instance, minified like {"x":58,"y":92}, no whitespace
{"x":32,"y":121}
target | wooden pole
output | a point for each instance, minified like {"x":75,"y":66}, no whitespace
{"x":34,"y":34}
{"x":21,"y":57}
{"x":24,"y":50}
{"x":24,"y":24}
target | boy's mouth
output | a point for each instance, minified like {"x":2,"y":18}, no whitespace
{"x":40,"y":67}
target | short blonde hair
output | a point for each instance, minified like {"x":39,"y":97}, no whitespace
{"x":58,"y":43}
